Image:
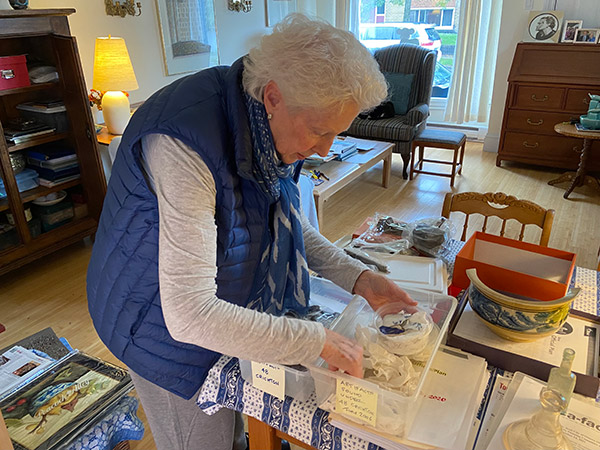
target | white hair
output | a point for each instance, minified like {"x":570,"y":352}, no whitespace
{"x":315,"y":65}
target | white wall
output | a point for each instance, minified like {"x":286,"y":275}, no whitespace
{"x":514,"y":21}
{"x":237,"y":32}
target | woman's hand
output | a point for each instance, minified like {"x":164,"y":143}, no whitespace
{"x":342,"y":353}
{"x":378,"y":290}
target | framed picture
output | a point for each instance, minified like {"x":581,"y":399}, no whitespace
{"x":587,"y":36}
{"x":278,"y":9}
{"x":544,"y":26}
{"x":189,"y":35}
{"x":54,"y":408}
{"x":570,"y":29}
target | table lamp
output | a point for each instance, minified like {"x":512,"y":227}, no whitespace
{"x":113,"y":74}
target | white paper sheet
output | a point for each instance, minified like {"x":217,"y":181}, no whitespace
{"x":581,"y":423}
{"x":18,"y":365}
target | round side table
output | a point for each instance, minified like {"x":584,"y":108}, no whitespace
{"x":580,"y":177}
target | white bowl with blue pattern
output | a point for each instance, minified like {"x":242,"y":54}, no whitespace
{"x":517,"y":319}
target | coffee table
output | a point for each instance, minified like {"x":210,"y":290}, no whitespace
{"x":342,"y":173}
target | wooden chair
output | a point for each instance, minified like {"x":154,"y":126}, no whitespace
{"x":509,"y":207}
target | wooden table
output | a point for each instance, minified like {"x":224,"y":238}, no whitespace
{"x":263,"y":437}
{"x":580,"y":177}
{"x":342,"y":173}
{"x":104,"y":137}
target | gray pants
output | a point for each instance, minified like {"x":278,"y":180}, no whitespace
{"x":179,"y":424}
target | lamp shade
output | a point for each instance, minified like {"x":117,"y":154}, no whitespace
{"x":112,"y":67}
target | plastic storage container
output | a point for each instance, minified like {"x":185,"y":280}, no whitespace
{"x":54,"y":216}
{"x":299,"y":382}
{"x":27,"y":179}
{"x":394,"y":412}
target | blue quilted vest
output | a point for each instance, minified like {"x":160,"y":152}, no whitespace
{"x":207,"y":112}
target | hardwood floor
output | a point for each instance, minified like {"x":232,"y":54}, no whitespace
{"x":51,"y":292}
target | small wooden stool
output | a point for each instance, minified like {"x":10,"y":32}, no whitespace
{"x":447,"y":139}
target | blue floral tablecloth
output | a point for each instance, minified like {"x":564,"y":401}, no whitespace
{"x":225,"y":388}
{"x":120,"y":423}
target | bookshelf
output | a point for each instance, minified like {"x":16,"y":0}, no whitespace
{"x":44,"y":36}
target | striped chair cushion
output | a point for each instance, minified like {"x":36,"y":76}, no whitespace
{"x":392,"y":129}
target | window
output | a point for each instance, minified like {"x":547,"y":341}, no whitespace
{"x":381,"y":24}
{"x":438,"y":17}
{"x":380,"y":13}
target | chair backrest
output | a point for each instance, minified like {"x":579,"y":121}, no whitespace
{"x":410,"y":58}
{"x":509,"y":207}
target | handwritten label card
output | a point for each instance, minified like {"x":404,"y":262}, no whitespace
{"x":269,"y":378}
{"x":356,"y":401}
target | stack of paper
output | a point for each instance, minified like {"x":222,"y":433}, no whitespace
{"x":18,"y":365}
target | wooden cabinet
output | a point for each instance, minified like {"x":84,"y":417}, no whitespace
{"x":44,"y":36}
{"x":548,"y":84}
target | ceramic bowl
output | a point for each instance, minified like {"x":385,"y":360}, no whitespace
{"x":517,"y":319}
{"x":592,"y":124}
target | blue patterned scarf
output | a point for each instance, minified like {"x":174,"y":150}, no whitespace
{"x":286,"y":286}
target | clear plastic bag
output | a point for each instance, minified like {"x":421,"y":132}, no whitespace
{"x":432,"y":235}
{"x":385,"y":234}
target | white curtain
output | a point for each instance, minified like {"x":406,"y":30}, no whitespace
{"x":340,"y":13}
{"x":470,"y":92}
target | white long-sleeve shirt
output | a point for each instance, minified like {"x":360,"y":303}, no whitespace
{"x":193,"y":313}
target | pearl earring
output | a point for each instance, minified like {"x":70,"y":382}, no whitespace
{"x":269,"y":116}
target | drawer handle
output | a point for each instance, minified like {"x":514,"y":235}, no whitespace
{"x":545,"y":98}
{"x":528,"y":145}
{"x":539,"y":122}
{"x":8,"y":74}
{"x":586,"y":100}
{"x":576,"y":149}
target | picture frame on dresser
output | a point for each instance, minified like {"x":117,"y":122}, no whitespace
{"x":570,"y":30}
{"x":544,"y":26}
{"x":587,"y":36}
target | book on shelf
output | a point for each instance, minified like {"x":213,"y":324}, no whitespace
{"x":53,"y":175}
{"x":54,"y":408}
{"x":10,"y":133}
{"x":536,"y":358}
{"x":52,"y":151}
{"x":43,"y":107}
{"x":52,"y":183}
{"x":56,"y":163}
{"x":29,"y":136}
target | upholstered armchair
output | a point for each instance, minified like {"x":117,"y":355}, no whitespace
{"x":401,"y":129}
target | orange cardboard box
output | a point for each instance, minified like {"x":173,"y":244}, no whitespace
{"x":515,"y":267}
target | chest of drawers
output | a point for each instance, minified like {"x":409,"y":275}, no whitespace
{"x":548,"y":84}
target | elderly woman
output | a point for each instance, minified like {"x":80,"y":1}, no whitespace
{"x":202,"y":247}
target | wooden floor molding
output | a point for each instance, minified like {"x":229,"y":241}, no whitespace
{"x":51,"y":291}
